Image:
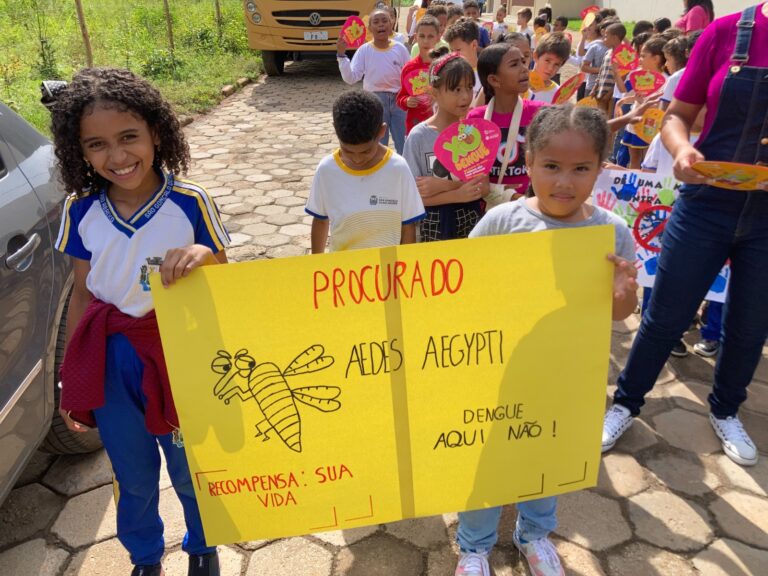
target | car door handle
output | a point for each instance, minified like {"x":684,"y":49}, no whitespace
{"x":21,"y":260}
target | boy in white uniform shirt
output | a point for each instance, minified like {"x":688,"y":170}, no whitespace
{"x":363,"y":193}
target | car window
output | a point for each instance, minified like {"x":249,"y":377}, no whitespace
{"x":3,"y":169}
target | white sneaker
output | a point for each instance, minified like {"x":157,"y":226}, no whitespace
{"x":473,"y":564}
{"x":541,"y":556}
{"x":617,"y":420}
{"x":737,"y":444}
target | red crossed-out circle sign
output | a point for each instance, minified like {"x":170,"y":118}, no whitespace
{"x":650,"y":223}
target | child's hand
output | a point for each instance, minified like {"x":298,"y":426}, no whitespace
{"x":341,"y":46}
{"x":428,"y":186}
{"x":473,"y":189}
{"x":412,"y":101}
{"x":71,"y":424}
{"x":179,"y":262}
{"x":624,"y":277}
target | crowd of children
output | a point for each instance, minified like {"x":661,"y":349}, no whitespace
{"x":510,"y":76}
{"x":119,"y":146}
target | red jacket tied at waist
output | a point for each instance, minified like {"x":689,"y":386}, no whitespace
{"x":84,"y":366}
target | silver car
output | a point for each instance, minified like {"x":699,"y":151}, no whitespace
{"x":35,"y":281}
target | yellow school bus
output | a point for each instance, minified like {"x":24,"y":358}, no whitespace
{"x":285,"y":29}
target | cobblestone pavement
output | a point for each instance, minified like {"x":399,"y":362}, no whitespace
{"x":668,"y":501}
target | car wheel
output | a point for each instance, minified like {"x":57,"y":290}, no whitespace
{"x":60,"y":439}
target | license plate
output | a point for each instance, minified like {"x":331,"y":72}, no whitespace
{"x":318,"y":35}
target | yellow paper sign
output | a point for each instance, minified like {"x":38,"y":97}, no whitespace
{"x":333,"y":391}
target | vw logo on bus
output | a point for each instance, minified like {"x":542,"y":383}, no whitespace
{"x":315,"y":19}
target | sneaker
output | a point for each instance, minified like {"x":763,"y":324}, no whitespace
{"x":737,"y":444}
{"x":541,"y":556}
{"x":617,"y":420}
{"x":473,"y":564}
{"x":204,"y":565}
{"x":679,"y":350}
{"x":154,"y":570}
{"x":707,"y":348}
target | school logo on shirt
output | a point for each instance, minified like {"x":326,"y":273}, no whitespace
{"x":152,"y":265}
{"x":377,"y":201}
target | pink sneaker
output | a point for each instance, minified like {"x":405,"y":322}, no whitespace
{"x":541,"y":556}
{"x":473,"y":564}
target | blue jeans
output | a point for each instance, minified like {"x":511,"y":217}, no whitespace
{"x":133,"y":452}
{"x":478,"y":529}
{"x":713,"y":327}
{"x":708,"y":225}
{"x":394,"y":116}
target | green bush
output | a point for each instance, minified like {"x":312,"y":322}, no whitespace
{"x":161,"y":64}
{"x":125,"y":33}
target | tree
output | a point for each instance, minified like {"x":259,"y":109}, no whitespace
{"x":219,"y":22}
{"x":169,"y":27}
{"x":84,"y":32}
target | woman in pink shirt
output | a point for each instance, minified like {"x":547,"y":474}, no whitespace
{"x":697,"y":16}
{"x":727,"y":73}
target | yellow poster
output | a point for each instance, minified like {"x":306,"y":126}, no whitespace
{"x":333,"y":391}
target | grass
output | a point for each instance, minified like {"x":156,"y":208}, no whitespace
{"x":124,"y":33}
{"x":575,"y":26}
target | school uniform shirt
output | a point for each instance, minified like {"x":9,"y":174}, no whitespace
{"x":477,"y":88}
{"x":378,"y":68}
{"x":546,"y":95}
{"x":671,"y":86}
{"x":499,"y":28}
{"x":527,"y":31}
{"x":366,"y":208}
{"x":516,"y":173}
{"x":400,"y":37}
{"x":123,"y":252}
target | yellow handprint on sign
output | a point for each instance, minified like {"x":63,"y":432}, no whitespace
{"x":354,"y":31}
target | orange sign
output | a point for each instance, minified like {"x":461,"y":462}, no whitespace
{"x":649,"y":124}
{"x":734,"y":176}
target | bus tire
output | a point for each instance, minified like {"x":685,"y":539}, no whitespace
{"x":274,"y":62}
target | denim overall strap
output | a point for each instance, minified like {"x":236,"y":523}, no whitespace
{"x":739,"y":132}
{"x":744,"y":27}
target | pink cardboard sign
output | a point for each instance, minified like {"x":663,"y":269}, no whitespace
{"x":416,"y":82}
{"x":645,"y":82}
{"x":353,"y":31}
{"x":568,"y":89}
{"x":626,"y":57}
{"x":468,"y":148}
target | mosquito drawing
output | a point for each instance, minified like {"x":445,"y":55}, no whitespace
{"x":267,"y":385}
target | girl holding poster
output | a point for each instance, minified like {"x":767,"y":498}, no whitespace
{"x":453,"y":207}
{"x":566,"y":146}
{"x":119,"y":148}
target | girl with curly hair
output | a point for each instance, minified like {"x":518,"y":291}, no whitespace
{"x":119,"y":148}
